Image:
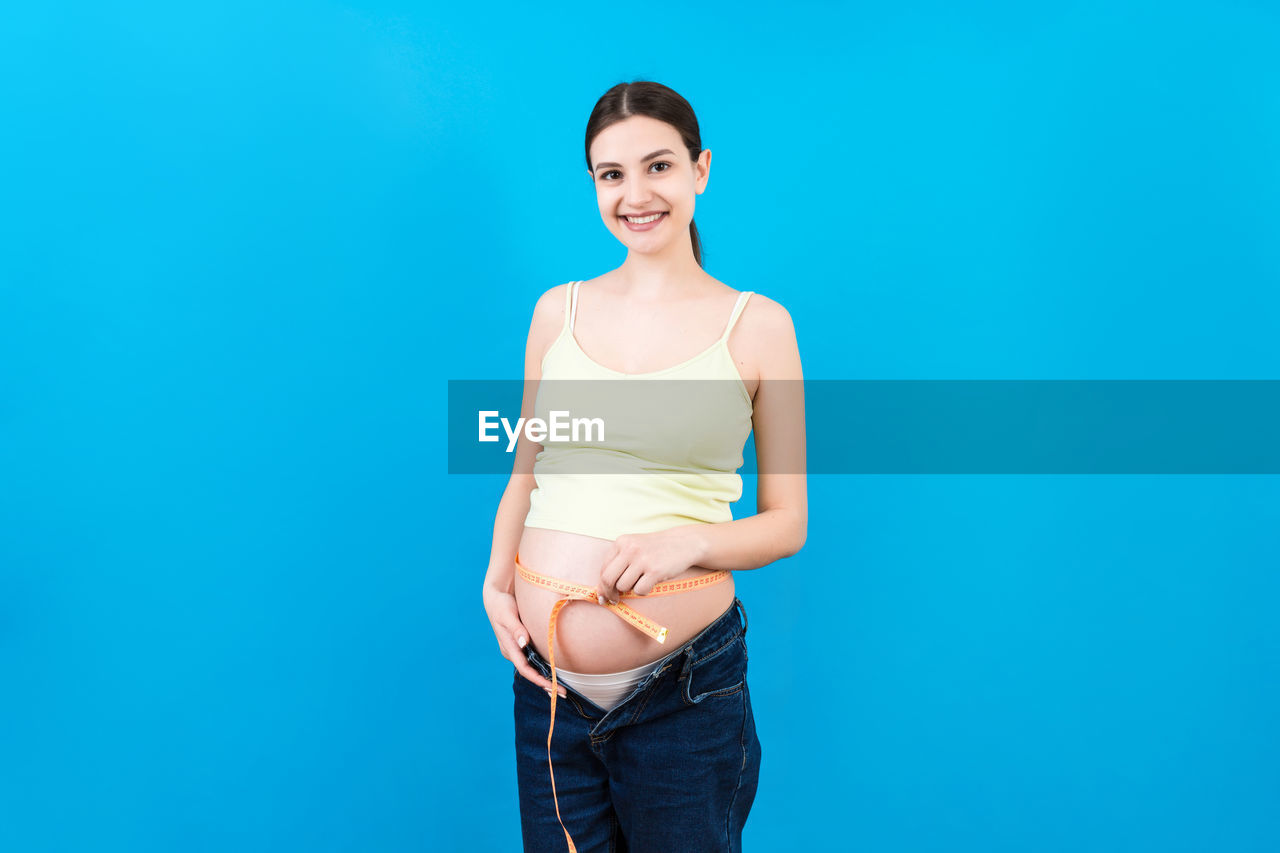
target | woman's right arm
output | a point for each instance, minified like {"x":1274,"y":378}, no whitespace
{"x":508,"y":525}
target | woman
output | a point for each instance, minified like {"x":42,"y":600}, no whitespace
{"x":652,"y":744}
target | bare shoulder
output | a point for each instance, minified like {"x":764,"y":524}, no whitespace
{"x":550,"y":305}
{"x":767,"y":318}
{"x":767,"y":337}
{"x":548,"y":314}
{"x":547,"y":321}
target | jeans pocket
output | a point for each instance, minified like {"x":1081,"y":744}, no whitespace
{"x":722,"y":672}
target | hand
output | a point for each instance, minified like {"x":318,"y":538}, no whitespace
{"x":640,"y":561}
{"x":512,"y":636}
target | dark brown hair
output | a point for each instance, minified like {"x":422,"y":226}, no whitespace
{"x":647,"y":98}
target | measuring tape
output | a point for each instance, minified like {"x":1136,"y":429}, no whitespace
{"x":581,"y":592}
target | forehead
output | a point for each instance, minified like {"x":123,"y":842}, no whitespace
{"x":633,"y":138}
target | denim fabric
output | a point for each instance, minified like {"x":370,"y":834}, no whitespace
{"x":674,"y":767}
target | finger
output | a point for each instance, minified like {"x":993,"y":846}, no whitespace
{"x":613,"y":565}
{"x":525,"y":669}
{"x":645,"y":585}
{"x":607,"y":589}
{"x":512,"y":653}
{"x":627,"y":582}
{"x":520,"y":637}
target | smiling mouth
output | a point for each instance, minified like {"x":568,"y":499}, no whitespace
{"x":644,"y":220}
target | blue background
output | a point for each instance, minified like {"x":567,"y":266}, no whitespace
{"x":244,"y":245}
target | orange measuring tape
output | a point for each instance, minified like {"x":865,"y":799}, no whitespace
{"x":581,"y":592}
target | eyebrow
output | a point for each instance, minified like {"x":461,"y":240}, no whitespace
{"x":643,"y":159}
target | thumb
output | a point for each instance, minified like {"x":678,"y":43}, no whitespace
{"x":519,"y":634}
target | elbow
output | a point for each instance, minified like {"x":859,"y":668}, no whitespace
{"x":799,"y":540}
{"x":798,"y":532}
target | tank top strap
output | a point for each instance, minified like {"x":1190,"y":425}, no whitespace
{"x":737,"y":312}
{"x":569,"y":302}
{"x":573,"y":305}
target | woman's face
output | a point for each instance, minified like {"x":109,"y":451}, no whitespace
{"x":629,"y":180}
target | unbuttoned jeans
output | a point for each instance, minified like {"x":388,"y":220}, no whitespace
{"x":672,"y":769}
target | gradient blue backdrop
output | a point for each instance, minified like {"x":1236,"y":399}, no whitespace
{"x":244,"y":246}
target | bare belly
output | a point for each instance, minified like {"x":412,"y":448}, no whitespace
{"x":590,"y":638}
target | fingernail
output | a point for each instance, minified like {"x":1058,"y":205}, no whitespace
{"x":521,"y":641}
{"x":599,"y":598}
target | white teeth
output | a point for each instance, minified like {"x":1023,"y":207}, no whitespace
{"x":642,"y":220}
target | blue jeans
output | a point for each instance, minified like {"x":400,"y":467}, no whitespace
{"x":673,"y":767}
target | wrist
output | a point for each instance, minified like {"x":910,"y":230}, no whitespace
{"x":698,"y":543}
{"x":494,"y":584}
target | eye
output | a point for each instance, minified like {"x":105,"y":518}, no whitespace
{"x":605,"y":175}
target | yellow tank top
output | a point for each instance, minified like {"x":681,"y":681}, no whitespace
{"x":671,"y":447}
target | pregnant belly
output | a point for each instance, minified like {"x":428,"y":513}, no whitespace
{"x":591,"y":638}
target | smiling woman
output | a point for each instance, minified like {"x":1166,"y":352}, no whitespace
{"x":607,"y":174}
{"x":616,"y":557}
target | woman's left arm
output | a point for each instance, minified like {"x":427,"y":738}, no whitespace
{"x":780,"y":526}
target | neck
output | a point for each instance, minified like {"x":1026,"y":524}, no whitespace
{"x":671,"y":274}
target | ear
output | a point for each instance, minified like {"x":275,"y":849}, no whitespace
{"x":703,"y":169}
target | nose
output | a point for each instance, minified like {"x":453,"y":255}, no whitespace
{"x":637,"y":195}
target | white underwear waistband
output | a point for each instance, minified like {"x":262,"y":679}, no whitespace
{"x":606,"y":689}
